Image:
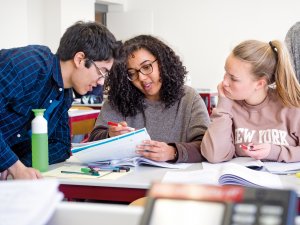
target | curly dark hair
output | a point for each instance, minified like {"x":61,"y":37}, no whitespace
{"x":125,"y":97}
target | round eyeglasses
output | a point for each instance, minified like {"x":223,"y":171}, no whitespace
{"x":146,"y":69}
{"x":102,"y":72}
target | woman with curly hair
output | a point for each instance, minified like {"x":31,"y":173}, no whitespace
{"x":147,"y":90}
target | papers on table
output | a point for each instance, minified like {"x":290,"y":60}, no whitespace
{"x":233,"y":172}
{"x":243,"y":161}
{"x":28,"y":202}
{"x":119,"y":151}
{"x":282,"y":168}
{"x":119,"y":147}
{"x":56,"y":173}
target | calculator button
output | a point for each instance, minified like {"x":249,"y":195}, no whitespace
{"x":240,"y":218}
{"x":269,"y":220}
{"x":245,"y":208}
{"x":271,"y":210}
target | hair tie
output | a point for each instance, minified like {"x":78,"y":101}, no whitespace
{"x":273,"y":47}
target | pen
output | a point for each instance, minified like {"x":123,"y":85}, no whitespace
{"x":245,"y":147}
{"x":110,"y":123}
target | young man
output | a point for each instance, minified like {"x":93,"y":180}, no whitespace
{"x":32,"y":77}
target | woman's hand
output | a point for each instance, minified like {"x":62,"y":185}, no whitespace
{"x":155,"y":150}
{"x":118,"y":129}
{"x":221,"y":90}
{"x":260,"y":151}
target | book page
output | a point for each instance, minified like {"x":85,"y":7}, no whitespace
{"x":228,"y":173}
{"x":240,"y":175}
{"x":122,"y":146}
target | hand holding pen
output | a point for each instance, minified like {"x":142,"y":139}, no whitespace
{"x":115,"y":129}
{"x":259,"y":151}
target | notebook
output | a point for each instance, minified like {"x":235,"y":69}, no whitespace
{"x":227,"y":174}
{"x":119,"y":147}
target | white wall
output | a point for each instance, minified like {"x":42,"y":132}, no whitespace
{"x":60,"y":14}
{"x":204,"y":31}
{"x":14,"y":29}
{"x":24,"y":22}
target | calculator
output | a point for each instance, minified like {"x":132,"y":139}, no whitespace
{"x":180,"y":204}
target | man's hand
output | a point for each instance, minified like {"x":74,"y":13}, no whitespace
{"x":20,"y":171}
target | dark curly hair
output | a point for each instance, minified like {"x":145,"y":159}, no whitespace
{"x":125,"y":97}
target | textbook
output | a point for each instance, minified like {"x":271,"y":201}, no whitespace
{"x":227,"y":174}
{"x":118,"y":147}
{"x":136,"y":161}
{"x":118,"y":151}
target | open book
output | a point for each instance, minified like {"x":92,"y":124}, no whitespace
{"x":227,"y":174}
{"x":119,"y":147}
{"x":136,"y":161}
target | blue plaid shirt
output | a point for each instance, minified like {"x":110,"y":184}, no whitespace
{"x":30,"y":78}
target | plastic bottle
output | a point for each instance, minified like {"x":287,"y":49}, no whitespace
{"x":39,"y":141}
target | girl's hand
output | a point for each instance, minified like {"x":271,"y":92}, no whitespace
{"x":221,"y":90}
{"x":116,"y":129}
{"x":155,"y":150}
{"x":260,"y":151}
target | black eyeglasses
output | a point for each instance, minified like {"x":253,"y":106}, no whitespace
{"x":133,"y":74}
{"x":100,"y":71}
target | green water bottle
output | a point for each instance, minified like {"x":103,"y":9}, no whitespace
{"x":39,"y":141}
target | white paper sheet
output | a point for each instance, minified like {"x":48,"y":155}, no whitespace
{"x":28,"y":202}
{"x":282,"y":168}
{"x":229,"y":173}
{"x":122,"y":146}
{"x":243,"y":161}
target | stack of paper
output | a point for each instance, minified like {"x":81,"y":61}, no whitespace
{"x":28,"y":202}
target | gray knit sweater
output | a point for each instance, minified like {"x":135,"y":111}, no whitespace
{"x":292,"y":40}
{"x":183,"y":125}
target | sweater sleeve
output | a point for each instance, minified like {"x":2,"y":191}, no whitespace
{"x":217,"y":144}
{"x":281,"y":153}
{"x":197,"y":125}
{"x":288,"y":152}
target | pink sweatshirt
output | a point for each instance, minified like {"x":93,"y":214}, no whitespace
{"x":235,"y":123}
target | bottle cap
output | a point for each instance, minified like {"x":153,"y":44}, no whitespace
{"x":38,"y":112}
